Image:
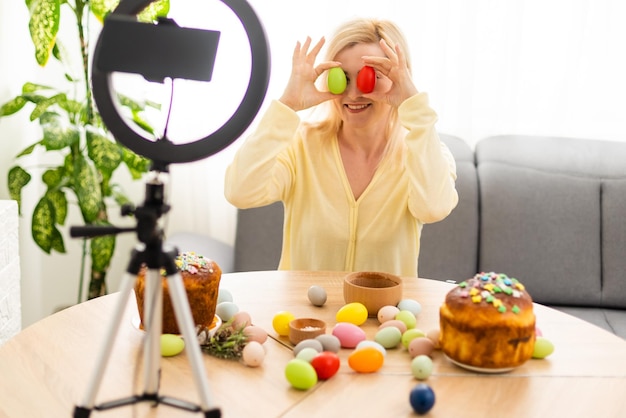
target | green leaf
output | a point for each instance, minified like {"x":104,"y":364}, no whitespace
{"x":105,"y":154}
{"x":44,"y":26}
{"x":53,"y":177}
{"x":55,"y":136}
{"x":154,"y":10}
{"x":57,"y":241}
{"x":102,"y":251}
{"x":18,"y":178}
{"x":28,"y":150}
{"x":43,"y":224}
{"x":101,"y":8}
{"x":59,"y":202}
{"x":87,"y":189}
{"x":33,"y":87}
{"x":13,"y":106}
{"x":43,"y":105}
{"x":137,"y":165}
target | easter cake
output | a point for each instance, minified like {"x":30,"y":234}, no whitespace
{"x":487,"y":323}
{"x":201,"y":278}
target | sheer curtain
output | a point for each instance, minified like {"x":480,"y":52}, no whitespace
{"x":554,"y":67}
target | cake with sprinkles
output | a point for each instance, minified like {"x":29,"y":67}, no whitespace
{"x":201,"y":278}
{"x":487,"y":322}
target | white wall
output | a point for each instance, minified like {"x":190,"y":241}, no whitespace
{"x":550,"y":67}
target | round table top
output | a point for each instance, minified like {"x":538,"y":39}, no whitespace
{"x":45,"y":369}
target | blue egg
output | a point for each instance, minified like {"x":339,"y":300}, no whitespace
{"x":422,"y":398}
{"x":410,"y":305}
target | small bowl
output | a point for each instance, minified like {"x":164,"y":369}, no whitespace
{"x":304,"y":328}
{"x":372,"y":289}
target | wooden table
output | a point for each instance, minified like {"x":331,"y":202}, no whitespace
{"x":44,"y":369}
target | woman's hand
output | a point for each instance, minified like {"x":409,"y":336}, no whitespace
{"x":394,"y":67}
{"x":301,"y":91}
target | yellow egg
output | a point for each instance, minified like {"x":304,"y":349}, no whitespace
{"x":354,"y":313}
{"x":281,"y":321}
{"x":366,"y":360}
{"x":171,"y":345}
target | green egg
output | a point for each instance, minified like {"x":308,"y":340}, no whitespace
{"x":421,"y":367}
{"x":337,"y":81}
{"x":410,"y":334}
{"x":388,"y":337}
{"x":171,"y":345}
{"x":543,"y":348}
{"x":300,"y":374}
{"x":408,"y":318}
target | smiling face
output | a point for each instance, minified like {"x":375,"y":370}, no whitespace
{"x":356,"y":109}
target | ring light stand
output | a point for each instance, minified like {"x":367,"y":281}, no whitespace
{"x":181,"y":53}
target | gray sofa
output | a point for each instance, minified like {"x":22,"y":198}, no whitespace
{"x":548,"y":211}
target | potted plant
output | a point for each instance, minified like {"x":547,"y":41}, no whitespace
{"x":73,"y":130}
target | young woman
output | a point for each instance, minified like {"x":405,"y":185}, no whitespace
{"x":357,"y":185}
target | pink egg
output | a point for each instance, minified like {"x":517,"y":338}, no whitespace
{"x":349,"y":335}
{"x":433,"y":335}
{"x":394,"y":323}
{"x":387,"y":313}
{"x":253,"y":354}
{"x":241,"y":320}
{"x":538,"y":332}
{"x":421,"y":346}
{"x":255,"y":333}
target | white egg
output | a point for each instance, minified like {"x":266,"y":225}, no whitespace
{"x":226,"y":310}
{"x":253,"y":354}
{"x":224,"y":295}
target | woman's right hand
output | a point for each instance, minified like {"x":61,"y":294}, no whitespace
{"x":301,"y":91}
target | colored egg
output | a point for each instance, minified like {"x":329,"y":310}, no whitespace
{"x":337,"y":81}
{"x":434,"y":335}
{"x":366,"y":79}
{"x":543,"y":348}
{"x":421,"y":346}
{"x":422,"y":398}
{"x":387,"y":313}
{"x":308,"y":343}
{"x":224,"y":295}
{"x":253,"y":354}
{"x":388,"y":337}
{"x":281,"y":321}
{"x":394,"y":323}
{"x":317,"y":295}
{"x":373,"y":344}
{"x":538,"y":332}
{"x":226,"y":310}
{"x":255,"y":333}
{"x":366,"y":360}
{"x":355,"y":313}
{"x":349,"y":335}
{"x":421,"y":367}
{"x":410,"y":305}
{"x":171,"y":345}
{"x":329,"y":342}
{"x":408,"y":318}
{"x":307,"y":354}
{"x":241,"y":320}
{"x":300,"y":374}
{"x":326,"y":364}
{"x":410,"y":334}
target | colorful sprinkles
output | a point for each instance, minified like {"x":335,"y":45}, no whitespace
{"x":485,"y":286}
{"x":191,"y":262}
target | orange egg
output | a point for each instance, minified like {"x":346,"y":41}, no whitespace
{"x":366,"y":360}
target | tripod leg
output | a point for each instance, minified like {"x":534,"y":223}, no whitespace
{"x":128,"y":280}
{"x":192,"y":348}
{"x":153,"y":315}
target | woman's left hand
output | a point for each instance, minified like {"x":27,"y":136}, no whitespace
{"x":394,"y":67}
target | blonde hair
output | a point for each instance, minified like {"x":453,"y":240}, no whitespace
{"x":350,"y":33}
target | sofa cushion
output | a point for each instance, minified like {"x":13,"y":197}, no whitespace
{"x":449,"y":248}
{"x":549,"y":214}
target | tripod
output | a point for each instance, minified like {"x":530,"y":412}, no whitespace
{"x":149,"y":252}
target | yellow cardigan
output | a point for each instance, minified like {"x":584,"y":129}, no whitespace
{"x":325,"y":228}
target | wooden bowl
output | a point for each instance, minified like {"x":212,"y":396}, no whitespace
{"x":372,"y":289}
{"x":304,"y":328}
